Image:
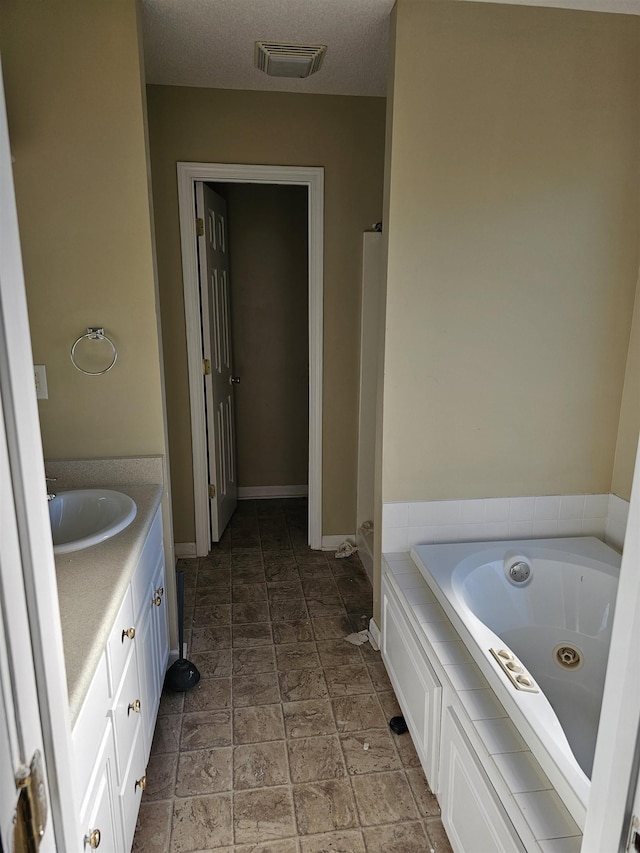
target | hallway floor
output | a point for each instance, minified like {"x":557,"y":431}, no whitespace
{"x":283,"y":747}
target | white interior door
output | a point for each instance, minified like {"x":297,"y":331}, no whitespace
{"x":211,"y":211}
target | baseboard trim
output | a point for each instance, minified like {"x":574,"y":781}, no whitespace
{"x":332,"y":543}
{"x":250,"y":493}
{"x":184,"y":550}
{"x":374,"y":634}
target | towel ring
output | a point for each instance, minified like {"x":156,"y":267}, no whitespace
{"x":94,"y":334}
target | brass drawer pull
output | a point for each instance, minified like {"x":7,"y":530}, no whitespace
{"x":157,"y":601}
{"x":134,"y":706}
{"x":160,"y":591}
{"x":128,"y":632}
{"x":140,"y":783}
{"x":93,"y":839}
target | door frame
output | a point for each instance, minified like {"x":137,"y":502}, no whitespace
{"x":313,"y":179}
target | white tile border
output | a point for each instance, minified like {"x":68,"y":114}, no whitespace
{"x":425,"y":522}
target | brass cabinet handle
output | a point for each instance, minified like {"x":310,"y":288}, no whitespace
{"x":134,"y":706}
{"x":93,"y":839}
{"x":140,"y":783}
{"x":128,"y":632}
{"x":160,"y":591}
{"x":157,"y":601}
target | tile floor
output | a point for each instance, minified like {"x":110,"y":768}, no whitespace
{"x":267,"y":754}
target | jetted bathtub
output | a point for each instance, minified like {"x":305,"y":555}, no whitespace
{"x":536,"y":616}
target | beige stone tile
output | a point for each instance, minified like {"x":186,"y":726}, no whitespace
{"x":288,"y":845}
{"x":424,"y":797}
{"x":398,"y":838}
{"x":263,"y":815}
{"x":438,"y":836}
{"x":309,"y":718}
{"x":204,"y":771}
{"x":260,"y":765}
{"x":219,"y":560}
{"x":205,"y":730}
{"x":406,"y":750}
{"x":153,"y":828}
{"x":297,"y":631}
{"x":199,"y":820}
{"x":250,"y":611}
{"x":214,"y":595}
{"x":357,"y":713}
{"x":379,"y":677}
{"x":319,"y":587}
{"x":161,"y":776}
{"x":170,"y":703}
{"x":383,"y":798}
{"x":338,"y":653}
{"x":258,"y":724}
{"x":330,"y":605}
{"x":331,"y":628}
{"x":214,"y":664}
{"x":211,"y":614}
{"x":243,"y":593}
{"x":216,"y":577}
{"x":285,"y":570}
{"x":350,"y":841}
{"x":288,"y":610}
{"x":379,"y":756}
{"x":284,"y":589}
{"x":324,"y":806}
{"x":166,"y":737}
{"x":209,"y":694}
{"x":314,"y":759}
{"x":210,"y":639}
{"x":299,"y":684}
{"x":348,"y":680}
{"x":259,"y":689}
{"x":389,"y":704}
{"x":297,"y":656}
{"x":313,"y":569}
{"x":253,"y":660}
{"x":249,"y":574}
{"x":258,"y":634}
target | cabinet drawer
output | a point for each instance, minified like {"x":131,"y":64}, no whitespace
{"x":131,"y":791}
{"x":127,"y":713}
{"x":87,"y":731}
{"x":151,"y":553}
{"x":120,"y":644}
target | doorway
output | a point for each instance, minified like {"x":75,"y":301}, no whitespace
{"x":311,"y":179}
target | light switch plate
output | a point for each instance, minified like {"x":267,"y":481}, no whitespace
{"x":40,"y":375}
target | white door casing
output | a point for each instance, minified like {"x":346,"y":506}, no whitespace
{"x":313,"y":179}
{"x":215,"y":300}
{"x":33,"y":689}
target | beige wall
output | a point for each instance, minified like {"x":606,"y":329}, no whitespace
{"x":345,"y":135}
{"x":76,"y":118}
{"x":627,"y":445}
{"x":513,"y":249}
{"x":267,"y":227}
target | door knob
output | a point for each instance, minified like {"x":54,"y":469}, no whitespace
{"x":234,"y":380}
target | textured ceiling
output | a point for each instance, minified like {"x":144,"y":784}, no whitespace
{"x":211,"y":42}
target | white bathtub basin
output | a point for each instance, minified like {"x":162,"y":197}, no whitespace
{"x":85,"y":517}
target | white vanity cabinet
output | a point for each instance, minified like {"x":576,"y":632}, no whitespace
{"x":114,"y":729}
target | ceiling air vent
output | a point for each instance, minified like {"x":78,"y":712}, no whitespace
{"x":289,"y":60}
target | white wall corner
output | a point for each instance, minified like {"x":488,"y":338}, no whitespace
{"x":374,"y":634}
{"x":333,"y":542}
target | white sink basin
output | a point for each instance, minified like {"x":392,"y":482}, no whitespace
{"x":84,"y":517}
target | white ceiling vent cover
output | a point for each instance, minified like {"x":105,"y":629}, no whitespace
{"x":289,"y":60}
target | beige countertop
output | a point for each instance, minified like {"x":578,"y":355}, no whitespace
{"x":91,"y":587}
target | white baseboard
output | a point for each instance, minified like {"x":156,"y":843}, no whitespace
{"x":249,"y":493}
{"x":374,"y":634}
{"x":332,"y":543}
{"x":184,"y":550}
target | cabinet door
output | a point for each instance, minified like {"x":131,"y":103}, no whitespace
{"x":159,"y":624}
{"x":416,"y":684}
{"x":471,"y":811}
{"x":148,"y":690}
{"x":100,"y":817}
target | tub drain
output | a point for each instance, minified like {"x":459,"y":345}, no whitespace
{"x":568,"y":657}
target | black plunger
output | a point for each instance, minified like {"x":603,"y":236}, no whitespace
{"x":181,"y":675}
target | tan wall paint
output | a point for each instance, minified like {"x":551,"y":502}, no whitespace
{"x":344,"y":135}
{"x":76,"y":117}
{"x":513,"y":250}
{"x":629,"y":428}
{"x":267,"y":228}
